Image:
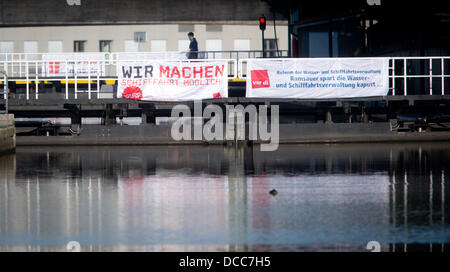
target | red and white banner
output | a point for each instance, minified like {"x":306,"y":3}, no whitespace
{"x":172,"y":80}
{"x":317,"y":78}
{"x":80,"y":64}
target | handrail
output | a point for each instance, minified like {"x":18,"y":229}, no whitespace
{"x":406,"y":74}
{"x":80,"y":72}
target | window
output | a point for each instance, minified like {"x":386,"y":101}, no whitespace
{"x":140,"y":37}
{"x":105,"y":46}
{"x":55,"y":46}
{"x":319,"y":44}
{"x":186,"y":28}
{"x":271,"y":46}
{"x":79,"y":46}
{"x":6,"y":47}
{"x":214,"y":45}
{"x":183,"y":45}
{"x":158,"y":45}
{"x":30,"y":47}
{"x":214,"y":28}
{"x":131,"y":46}
{"x":242,"y":44}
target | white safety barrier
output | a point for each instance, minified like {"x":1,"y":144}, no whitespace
{"x":75,"y":70}
{"x":435,"y":66}
{"x":407,"y":75}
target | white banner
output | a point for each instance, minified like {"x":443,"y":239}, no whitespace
{"x":83,"y":64}
{"x":164,"y":80}
{"x":317,"y":78}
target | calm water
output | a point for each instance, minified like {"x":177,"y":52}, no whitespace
{"x":215,"y":198}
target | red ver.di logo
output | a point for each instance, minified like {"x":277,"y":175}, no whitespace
{"x":132,"y":92}
{"x":260,"y":79}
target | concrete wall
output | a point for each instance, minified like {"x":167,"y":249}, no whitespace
{"x":170,"y":32}
{"x":32,"y":12}
{"x":7,"y":133}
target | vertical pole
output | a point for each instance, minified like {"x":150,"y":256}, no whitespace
{"x":404,"y":78}
{"x":89,"y":80}
{"x":263,"y":46}
{"x":394,"y":211}
{"x":38,"y":208}
{"x":67,"y":81}
{"x":442,"y":206}
{"x":442,"y":76}
{"x":431,"y":76}
{"x":364,"y":36}
{"x":405,"y":209}
{"x":330,"y":32}
{"x":36,"y":80}
{"x":98,"y":79}
{"x":76,"y":79}
{"x":431,"y":206}
{"x":28,"y":83}
{"x":289,"y":33}
{"x":6,"y":92}
{"x":393,"y":76}
{"x":5,"y":65}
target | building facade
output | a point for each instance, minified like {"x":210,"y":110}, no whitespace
{"x":360,"y":28}
{"x":57,"y":26}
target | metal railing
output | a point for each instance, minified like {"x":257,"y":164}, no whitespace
{"x":243,"y":54}
{"x":218,"y":54}
{"x":81,"y":76}
{"x":16,"y":63}
{"x":407,"y":75}
{"x":419,"y":75}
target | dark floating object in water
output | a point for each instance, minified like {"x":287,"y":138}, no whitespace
{"x":273,"y":192}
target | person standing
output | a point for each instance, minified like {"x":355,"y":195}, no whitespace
{"x":193,"y":46}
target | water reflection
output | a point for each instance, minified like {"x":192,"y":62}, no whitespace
{"x":214,"y":198}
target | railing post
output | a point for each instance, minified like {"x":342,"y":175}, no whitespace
{"x":393,"y":76}
{"x":431,"y":76}
{"x":75,"y":67}
{"x":67,"y":80}
{"x":37,"y":80}
{"x":442,"y":77}
{"x":89,"y":79}
{"x":405,"y":92}
{"x":27,"y":78}
{"x":98,"y":79}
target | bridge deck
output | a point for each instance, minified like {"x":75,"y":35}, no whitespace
{"x":82,"y":99}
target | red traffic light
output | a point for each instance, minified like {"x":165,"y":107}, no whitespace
{"x":262,"y":23}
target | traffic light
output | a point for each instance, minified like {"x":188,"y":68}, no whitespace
{"x":262,"y":23}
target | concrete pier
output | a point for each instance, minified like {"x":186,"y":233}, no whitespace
{"x":7,"y":134}
{"x":289,"y":134}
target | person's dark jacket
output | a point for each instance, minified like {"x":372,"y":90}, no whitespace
{"x":193,"y":48}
